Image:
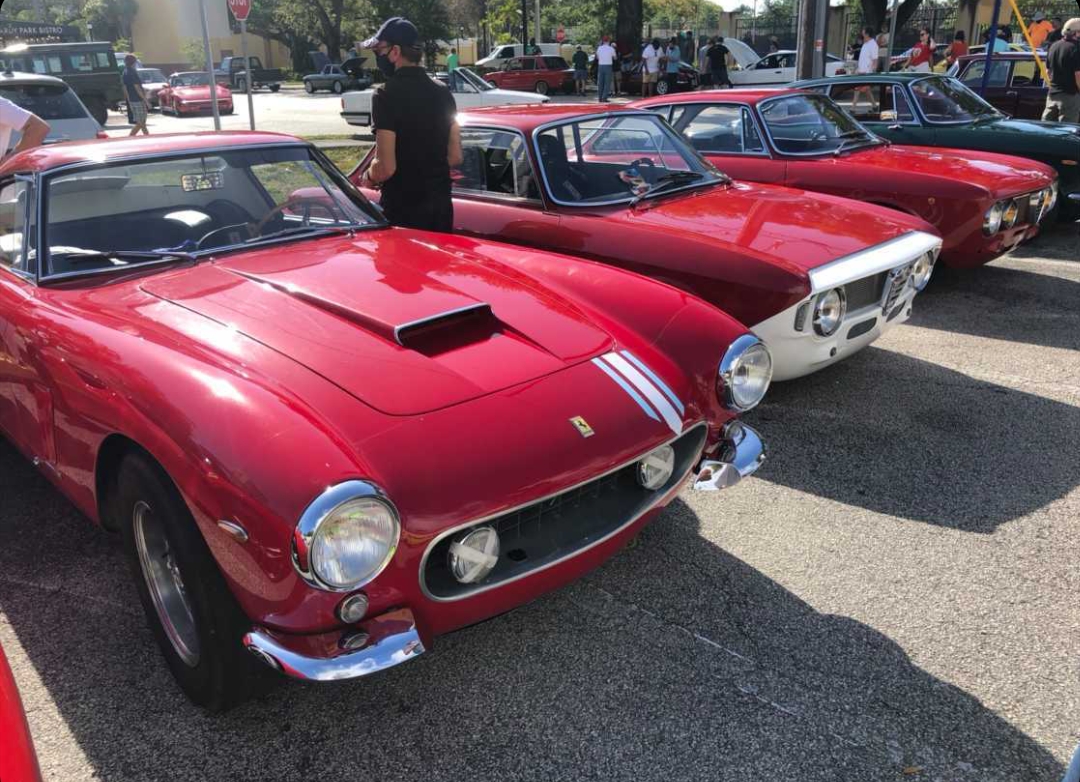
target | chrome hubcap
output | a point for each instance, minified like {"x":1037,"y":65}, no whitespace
{"x":165,"y":584}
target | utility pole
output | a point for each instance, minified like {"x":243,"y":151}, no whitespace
{"x":539,"y":27}
{"x":524,"y":23}
{"x":821,"y":39}
{"x":892,"y":37}
{"x":804,"y":46}
{"x":210,"y":65}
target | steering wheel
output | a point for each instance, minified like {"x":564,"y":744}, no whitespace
{"x":643,"y":161}
{"x":304,"y":202}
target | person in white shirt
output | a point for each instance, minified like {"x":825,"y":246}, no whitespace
{"x":605,"y":58}
{"x":868,"y":54}
{"x":650,"y":69}
{"x":15,"y":119}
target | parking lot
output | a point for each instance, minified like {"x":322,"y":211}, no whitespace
{"x":893,"y":596}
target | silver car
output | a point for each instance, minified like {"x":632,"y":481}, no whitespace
{"x":54,"y":102}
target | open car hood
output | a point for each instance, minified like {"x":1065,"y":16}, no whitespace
{"x":400,"y":323}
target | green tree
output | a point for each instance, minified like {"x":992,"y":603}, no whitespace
{"x":111,"y":19}
{"x":194,"y":52}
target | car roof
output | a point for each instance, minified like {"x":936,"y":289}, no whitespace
{"x":869,"y":77}
{"x":527,"y":117}
{"x":1011,"y":55}
{"x":47,"y":158}
{"x":17,"y":77}
{"x":749,"y":96}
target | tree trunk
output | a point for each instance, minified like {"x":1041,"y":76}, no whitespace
{"x":628,"y":23}
{"x":876,"y":13}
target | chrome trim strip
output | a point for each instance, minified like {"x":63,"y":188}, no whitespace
{"x":171,"y":155}
{"x":397,"y":645}
{"x":648,"y":507}
{"x":656,"y":399}
{"x":653,"y":377}
{"x":412,"y":324}
{"x":881,"y":257}
{"x":627,"y":388}
{"x":749,"y":456}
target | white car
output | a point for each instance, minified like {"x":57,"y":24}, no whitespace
{"x":773,"y":69}
{"x":54,"y":102}
{"x":500,"y":55}
{"x":153,"y":82}
{"x":470,"y":92}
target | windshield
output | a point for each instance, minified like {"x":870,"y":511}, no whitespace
{"x":612,"y":159}
{"x":98,"y":218}
{"x":465,"y":78}
{"x":51,"y":102}
{"x":190,"y":80}
{"x":947,"y":100}
{"x":152,"y":75}
{"x":812,"y":125}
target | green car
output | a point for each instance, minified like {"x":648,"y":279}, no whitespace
{"x":931,"y":110}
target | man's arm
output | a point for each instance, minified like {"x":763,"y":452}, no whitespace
{"x":384,"y":165}
{"x":33,"y":133}
{"x":454,"y":153}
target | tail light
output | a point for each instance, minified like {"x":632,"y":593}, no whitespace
{"x":101,"y":134}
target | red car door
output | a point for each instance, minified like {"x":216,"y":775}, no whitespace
{"x":728,"y":135}
{"x":514,"y":76}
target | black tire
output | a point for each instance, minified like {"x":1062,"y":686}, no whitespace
{"x":275,"y":87}
{"x":310,"y":87}
{"x":223,"y":673}
{"x":541,"y":88}
{"x":337,"y":87}
{"x":96,"y":106}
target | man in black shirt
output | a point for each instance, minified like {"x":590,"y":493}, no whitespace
{"x":717,"y":57}
{"x":1063,"y":61}
{"x":417,"y":138}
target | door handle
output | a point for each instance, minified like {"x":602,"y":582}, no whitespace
{"x":1011,"y":93}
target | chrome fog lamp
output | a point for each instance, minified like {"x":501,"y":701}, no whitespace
{"x":474,"y":554}
{"x":992,"y":219}
{"x":1012,"y":212}
{"x":829,"y":310}
{"x":745,"y":373}
{"x":346,"y":537}
{"x":921,"y":271}
{"x":656,"y":468}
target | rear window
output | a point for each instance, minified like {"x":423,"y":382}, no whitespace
{"x":556,"y":63}
{"x":48,"y":101}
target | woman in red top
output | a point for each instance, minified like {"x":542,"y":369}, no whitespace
{"x":957,"y":49}
{"x":922,"y":53}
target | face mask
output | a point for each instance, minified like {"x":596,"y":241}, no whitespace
{"x":384,"y":64}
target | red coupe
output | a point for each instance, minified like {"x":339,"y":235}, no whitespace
{"x":534,"y":74}
{"x":18,"y":761}
{"x":982,"y":203}
{"x":325,"y":439}
{"x":816,"y":277}
{"x":189,"y":93}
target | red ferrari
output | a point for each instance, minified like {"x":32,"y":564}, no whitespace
{"x":189,"y":93}
{"x":325,"y":441}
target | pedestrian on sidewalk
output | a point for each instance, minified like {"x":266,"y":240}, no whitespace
{"x":1063,"y":62}
{"x":650,"y":68}
{"x":672,"y":60}
{"x":581,"y":70}
{"x":605,"y":60}
{"x":717,"y":55}
{"x":138,"y":105}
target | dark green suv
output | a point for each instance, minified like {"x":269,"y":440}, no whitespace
{"x":90,"y":69}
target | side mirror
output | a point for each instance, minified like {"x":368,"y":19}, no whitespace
{"x":888,"y":116}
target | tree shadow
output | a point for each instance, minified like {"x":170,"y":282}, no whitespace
{"x":674,"y":661}
{"x":912,"y":439}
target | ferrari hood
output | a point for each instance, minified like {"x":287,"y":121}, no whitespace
{"x":790,"y":228}
{"x":402,"y":324}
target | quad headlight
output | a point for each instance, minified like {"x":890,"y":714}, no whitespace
{"x":745,"y":373}
{"x":829,"y":311}
{"x":346,"y":537}
{"x":921,"y":271}
{"x":992,"y":219}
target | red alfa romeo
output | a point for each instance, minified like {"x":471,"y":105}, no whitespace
{"x":325,"y":440}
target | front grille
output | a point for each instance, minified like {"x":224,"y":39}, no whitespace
{"x":865,"y":292}
{"x":544,"y":532}
{"x":861,"y":328}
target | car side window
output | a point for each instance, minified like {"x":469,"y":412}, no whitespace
{"x":999,"y":73}
{"x":787,"y":61}
{"x":665,"y":112}
{"x":768,"y":62}
{"x":80,"y":63}
{"x":495,"y":162}
{"x":513,"y":65}
{"x":13,"y":230}
{"x":716,"y":129}
{"x":528,"y":64}
{"x":102,"y":61}
{"x":751,"y":138}
{"x":1025,"y":74}
{"x":893,"y":100}
{"x":556,"y":63}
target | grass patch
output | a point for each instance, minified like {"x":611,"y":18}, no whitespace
{"x":346,"y":158}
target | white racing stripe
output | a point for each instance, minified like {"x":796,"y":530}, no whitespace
{"x":654,"y":395}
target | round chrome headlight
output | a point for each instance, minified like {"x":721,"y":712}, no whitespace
{"x":921,"y":271}
{"x":992,"y":219}
{"x":829,"y":310}
{"x":346,"y":537}
{"x":745,"y":373}
{"x":1012,"y":212}
{"x":656,"y":468}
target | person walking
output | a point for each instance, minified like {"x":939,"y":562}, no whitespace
{"x":716,"y":56}
{"x":532,"y":48}
{"x":868,"y":53}
{"x":672,"y":60}
{"x":650,"y":68}
{"x":605,"y":59}
{"x":922,"y":54}
{"x":1039,"y":29}
{"x":581,"y":70}
{"x":15,"y":119}
{"x":452,"y":61}
{"x":1055,"y":34}
{"x":1063,"y":62}
{"x":957,"y":49}
{"x":138,"y":105}
{"x":417,"y":138}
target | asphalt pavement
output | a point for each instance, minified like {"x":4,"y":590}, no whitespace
{"x":892,"y":597}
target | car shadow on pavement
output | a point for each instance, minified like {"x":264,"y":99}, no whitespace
{"x":676,"y":661}
{"x":908,"y":438}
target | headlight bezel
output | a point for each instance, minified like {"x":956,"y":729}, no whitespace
{"x":930,"y":260}
{"x":316,"y":516}
{"x":992,"y":218}
{"x":816,"y":313}
{"x":729,"y":366}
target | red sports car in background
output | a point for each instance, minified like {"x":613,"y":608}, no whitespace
{"x":534,"y":74}
{"x":814,"y":276}
{"x":18,"y":761}
{"x":982,"y":203}
{"x":325,"y":439}
{"x":189,"y":93}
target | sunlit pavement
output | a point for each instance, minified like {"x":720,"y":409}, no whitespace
{"x":892,"y":597}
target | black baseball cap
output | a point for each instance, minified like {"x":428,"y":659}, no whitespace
{"x":395,"y":31}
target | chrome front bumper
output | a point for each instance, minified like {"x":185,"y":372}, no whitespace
{"x":391,"y":640}
{"x":741,"y":454}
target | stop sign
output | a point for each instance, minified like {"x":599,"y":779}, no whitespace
{"x":560,"y":35}
{"x":240,"y":9}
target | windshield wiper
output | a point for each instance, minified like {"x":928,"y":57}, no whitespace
{"x":76,"y":258}
{"x":847,"y":143}
{"x":667,"y":181}
{"x":300,"y":229}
